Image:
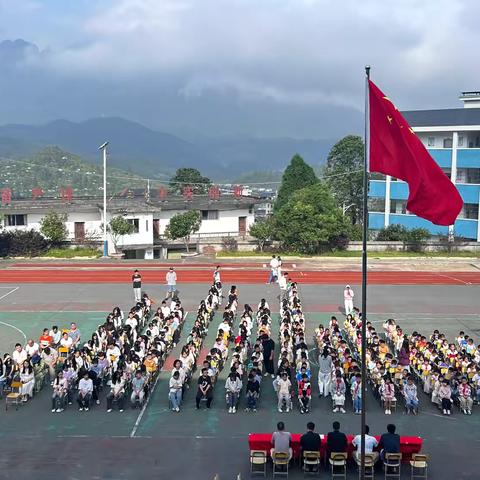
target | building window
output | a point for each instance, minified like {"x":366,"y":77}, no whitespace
{"x":15,"y":220}
{"x":209,"y":214}
{"x":460,"y":141}
{"x":376,"y":205}
{"x":431,"y":141}
{"x":468,"y":175}
{"x":447,"y":143}
{"x":469,"y":210}
{"x":448,"y":172}
{"x":398,"y":206}
{"x":136,"y":224}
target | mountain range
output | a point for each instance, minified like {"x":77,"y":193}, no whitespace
{"x":156,"y":154}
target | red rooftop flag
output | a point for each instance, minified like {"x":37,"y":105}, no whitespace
{"x":395,"y":150}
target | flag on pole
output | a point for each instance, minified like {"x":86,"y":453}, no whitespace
{"x":395,"y":150}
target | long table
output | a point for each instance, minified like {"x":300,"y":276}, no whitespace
{"x":263,"y":441}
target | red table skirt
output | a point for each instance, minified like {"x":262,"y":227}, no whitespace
{"x":263,"y":441}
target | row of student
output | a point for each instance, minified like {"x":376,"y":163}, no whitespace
{"x":184,"y":367}
{"x":448,"y":374}
{"x":124,"y":354}
{"x":388,"y":376}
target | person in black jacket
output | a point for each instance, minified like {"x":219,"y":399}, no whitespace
{"x":389,"y":442}
{"x":336,"y":441}
{"x":310,"y":441}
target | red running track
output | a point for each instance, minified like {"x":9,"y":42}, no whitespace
{"x":14,"y":276}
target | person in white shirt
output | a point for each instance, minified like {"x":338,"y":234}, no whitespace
{"x":283,"y":284}
{"x":370,"y":444}
{"x":348,"y":299}
{"x":56,"y":334}
{"x":27,"y":379}
{"x":19,"y":355}
{"x":32,"y":348}
{"x":171,"y":279}
{"x":282,"y":386}
{"x":175,"y":391}
{"x":272,"y":278}
{"x":165,"y":309}
{"x":216,"y":275}
{"x":233,"y":386}
{"x":85,"y":389}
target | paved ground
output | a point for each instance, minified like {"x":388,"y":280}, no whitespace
{"x":36,"y":443}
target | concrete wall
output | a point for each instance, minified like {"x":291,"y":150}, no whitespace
{"x":373,"y":246}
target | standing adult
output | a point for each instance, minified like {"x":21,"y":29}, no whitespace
{"x":171,"y":279}
{"x":404,"y":356}
{"x":324,"y":372}
{"x":279,"y":266}
{"x":268,"y":346}
{"x":273,"y":270}
{"x":283,"y":284}
{"x":137,"y":286}
{"x":216,"y":275}
{"x":348,"y":299}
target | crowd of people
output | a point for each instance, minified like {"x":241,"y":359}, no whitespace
{"x":121,"y":358}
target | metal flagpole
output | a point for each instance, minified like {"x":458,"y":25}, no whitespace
{"x":364,"y":272}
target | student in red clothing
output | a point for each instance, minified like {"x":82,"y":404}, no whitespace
{"x":45,"y":340}
{"x":304,"y":393}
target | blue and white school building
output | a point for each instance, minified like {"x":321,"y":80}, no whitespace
{"x":452,"y":136}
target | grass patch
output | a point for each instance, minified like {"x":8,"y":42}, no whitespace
{"x":73,"y":252}
{"x":354,"y":254}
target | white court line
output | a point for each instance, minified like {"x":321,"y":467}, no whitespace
{"x":13,"y":289}
{"x":454,"y":278}
{"x":145,"y":405}
{"x":15,"y":328}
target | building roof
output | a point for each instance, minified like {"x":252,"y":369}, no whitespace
{"x":443,"y":118}
{"x":129,"y":205}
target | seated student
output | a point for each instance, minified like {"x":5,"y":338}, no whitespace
{"x":59,"y":396}
{"x":117,"y":392}
{"x":85,"y":389}
{"x":304,"y":394}
{"x":204,"y":389}
{"x":45,"y":339}
{"x":387,"y":391}
{"x":281,"y":441}
{"x":445,"y":396}
{"x":310,"y":441}
{"x":338,"y":390}
{"x":389,"y":442}
{"x":27,"y":379}
{"x":465,"y":397}
{"x":252,"y":392}
{"x":56,"y":335}
{"x":233,"y":386}
{"x":356,"y":390}
{"x":282,"y":386}
{"x":336,"y":440}
{"x":370,"y":444}
{"x":138,"y":389}
{"x":175,"y":391}
{"x":410,"y":393}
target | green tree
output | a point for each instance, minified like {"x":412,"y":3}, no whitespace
{"x":183,"y":225}
{"x":118,"y":227}
{"x":310,"y":221}
{"x":262,"y":231}
{"x":189,"y":177}
{"x":393,"y":233}
{"x":344,"y":175}
{"x":52,"y":227}
{"x":296,"y":176}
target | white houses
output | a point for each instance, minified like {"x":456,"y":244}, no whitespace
{"x":227,"y":216}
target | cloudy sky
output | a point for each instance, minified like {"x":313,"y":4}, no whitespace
{"x":232,"y":67}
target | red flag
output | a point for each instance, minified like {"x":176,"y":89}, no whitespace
{"x":395,"y":150}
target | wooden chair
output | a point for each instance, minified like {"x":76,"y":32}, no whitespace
{"x":338,"y":465}
{"x":419,"y":466}
{"x":311,"y":463}
{"x":369,"y":465}
{"x":392,"y":464}
{"x":258,"y":462}
{"x":14,"y":397}
{"x":280,"y":464}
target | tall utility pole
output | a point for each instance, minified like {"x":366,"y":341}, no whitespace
{"x":103,"y":147}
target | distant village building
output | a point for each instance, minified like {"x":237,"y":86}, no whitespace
{"x":227,"y":216}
